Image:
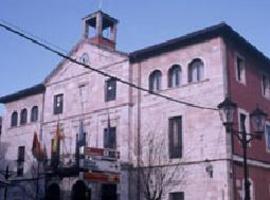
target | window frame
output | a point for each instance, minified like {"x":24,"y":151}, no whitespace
{"x":237,"y":72}
{"x":12,"y":123}
{"x":247,"y":123}
{"x":110,"y":94}
{"x":200,"y":70}
{"x":174,"y":71}
{"x":155,"y":81}
{"x":173,"y":152}
{"x":265,"y":89}
{"x":58,"y":109}
{"x":267,"y":137}
{"x":106,"y":138}
{"x":20,"y":160}
{"x":182,"y":195}
{"x":23,"y":116}
{"x":34,"y":114}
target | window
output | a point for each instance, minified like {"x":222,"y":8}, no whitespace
{"x":110,"y":138}
{"x":14,"y":119}
{"x":195,"y":71}
{"x":34,"y":114}
{"x":58,"y":104}
{"x":176,"y":196}
{"x":23,"y":116}
{"x":251,"y":187}
{"x":84,"y":58}
{"x":83,"y":93}
{"x":0,"y":126}
{"x":20,"y":161}
{"x":175,"y":137}
{"x":155,"y":81}
{"x":244,"y":122}
{"x":240,"y":70}
{"x":110,"y":89}
{"x":266,"y":85}
{"x":267,"y":136}
{"x":174,"y":76}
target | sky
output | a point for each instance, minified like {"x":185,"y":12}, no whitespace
{"x":142,"y":23}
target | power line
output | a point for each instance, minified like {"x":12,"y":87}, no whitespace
{"x":48,"y":48}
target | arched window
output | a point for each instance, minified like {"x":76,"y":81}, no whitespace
{"x":23,"y":116}
{"x":14,"y":119}
{"x":34,"y":114}
{"x":155,"y":81}
{"x":174,"y":76}
{"x":195,"y":71}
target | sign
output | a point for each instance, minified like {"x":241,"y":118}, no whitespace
{"x":87,"y":164}
{"x":100,"y":165}
{"x":107,"y":154}
{"x":101,"y":177}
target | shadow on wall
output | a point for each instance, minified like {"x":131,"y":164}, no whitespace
{"x":25,"y":186}
{"x":3,"y":151}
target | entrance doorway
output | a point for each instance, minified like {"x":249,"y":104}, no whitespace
{"x":80,"y":191}
{"x":109,"y":192}
{"x":53,"y":192}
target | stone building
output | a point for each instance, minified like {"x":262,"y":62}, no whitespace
{"x":178,"y":145}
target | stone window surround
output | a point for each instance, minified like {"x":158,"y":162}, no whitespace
{"x":262,"y":87}
{"x":204,"y":79}
{"x":236,"y":56}
{"x":18,"y":120}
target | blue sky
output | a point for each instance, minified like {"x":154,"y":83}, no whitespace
{"x":142,"y":23}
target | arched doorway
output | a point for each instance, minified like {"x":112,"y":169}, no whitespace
{"x":53,"y":192}
{"x":109,"y":192}
{"x":80,"y":191}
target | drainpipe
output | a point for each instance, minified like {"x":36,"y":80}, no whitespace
{"x":139,"y":134}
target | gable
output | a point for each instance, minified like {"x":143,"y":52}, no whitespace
{"x":98,"y":58}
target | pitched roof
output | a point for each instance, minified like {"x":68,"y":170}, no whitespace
{"x":219,"y":30}
{"x":36,"y":89}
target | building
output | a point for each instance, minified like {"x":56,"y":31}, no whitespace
{"x":180,"y":147}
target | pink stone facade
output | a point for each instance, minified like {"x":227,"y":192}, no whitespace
{"x":138,"y":114}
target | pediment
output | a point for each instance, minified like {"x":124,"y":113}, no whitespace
{"x":98,"y":58}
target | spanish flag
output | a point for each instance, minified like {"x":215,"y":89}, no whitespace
{"x":36,"y":148}
{"x":56,"y":140}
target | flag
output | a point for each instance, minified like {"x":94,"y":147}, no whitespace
{"x":56,"y":140}
{"x":45,"y":155}
{"x":81,"y":135}
{"x":56,"y":146}
{"x":36,"y":149}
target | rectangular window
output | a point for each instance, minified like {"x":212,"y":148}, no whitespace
{"x":267,"y":137}
{"x":240,"y":70}
{"x":83,"y":93}
{"x":175,"y":137}
{"x":20,"y":160}
{"x":58,"y":104}
{"x":266,"y":85}
{"x":110,"y":89}
{"x":110,"y":138}
{"x":244,"y":123}
{"x":176,"y":196}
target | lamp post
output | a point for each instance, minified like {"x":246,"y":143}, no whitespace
{"x":227,"y":108}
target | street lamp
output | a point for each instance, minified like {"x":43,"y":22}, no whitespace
{"x":227,"y":108}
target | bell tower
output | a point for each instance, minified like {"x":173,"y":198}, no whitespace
{"x":100,"y":29}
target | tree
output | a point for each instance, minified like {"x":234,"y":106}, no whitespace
{"x":157,"y":174}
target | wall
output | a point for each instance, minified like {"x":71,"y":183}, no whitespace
{"x":204,"y":137}
{"x":248,"y":96}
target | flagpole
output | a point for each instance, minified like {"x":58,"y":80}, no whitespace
{"x":37,"y":184}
